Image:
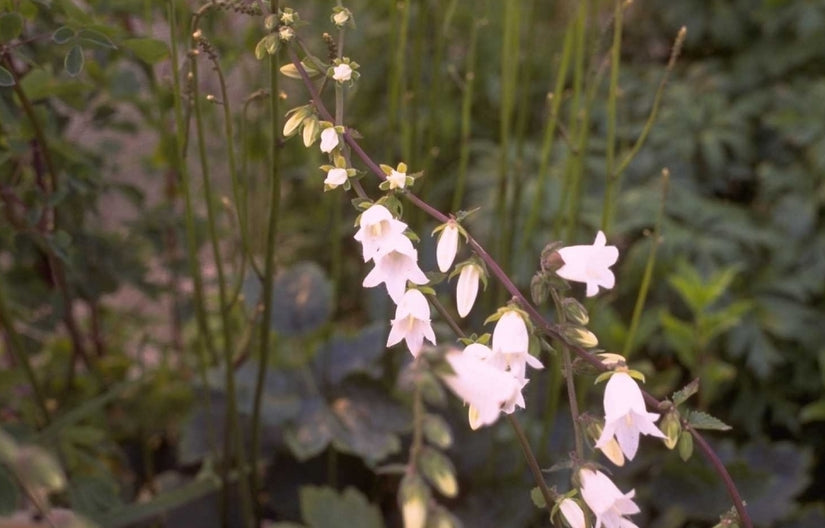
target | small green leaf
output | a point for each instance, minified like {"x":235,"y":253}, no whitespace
{"x":74,"y":61}
{"x":6,"y":78}
{"x":702,"y":420}
{"x":97,"y":38}
{"x":148,"y":50}
{"x":63,"y":35}
{"x":538,"y":498}
{"x":11,"y":25}
{"x":679,"y":397}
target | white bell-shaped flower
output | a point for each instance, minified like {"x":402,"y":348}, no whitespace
{"x":467,"y":288}
{"x":589,"y":264}
{"x":626,"y":416}
{"x":395,"y":264}
{"x":572,"y":513}
{"x":511,"y":344}
{"x":412,"y":322}
{"x":487,"y":389}
{"x":606,"y":501}
{"x":378,"y":228}
{"x":447,"y":246}
{"x":329,"y":139}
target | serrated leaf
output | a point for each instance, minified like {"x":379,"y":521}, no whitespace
{"x":74,"y":61}
{"x":6,"y":78}
{"x":323,"y":507}
{"x":702,"y":420}
{"x":681,"y":396}
{"x":11,"y":25}
{"x":148,"y":50}
{"x":63,"y":35}
{"x":97,"y":38}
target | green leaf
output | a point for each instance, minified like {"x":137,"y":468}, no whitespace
{"x":323,"y":507}
{"x":63,"y":35}
{"x":97,"y":38}
{"x":343,"y":356}
{"x":11,"y":25}
{"x":93,"y":495}
{"x":148,"y":50}
{"x":538,"y":498}
{"x":702,"y":420}
{"x":74,"y":61}
{"x":6,"y":78}
{"x":679,"y":397}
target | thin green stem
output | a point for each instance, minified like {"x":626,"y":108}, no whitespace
{"x":655,"y":238}
{"x":466,"y":116}
{"x":509,"y":80}
{"x":549,"y":138}
{"x":232,"y":433}
{"x":612,"y":96}
{"x":182,"y":168}
{"x":532,"y":463}
{"x":654,"y":111}
{"x":265,"y":347}
{"x":569,"y":381}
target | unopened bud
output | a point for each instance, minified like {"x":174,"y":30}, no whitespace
{"x":550,"y":258}
{"x":437,"y":431}
{"x":580,"y":336}
{"x":539,"y":289}
{"x":672,"y":428}
{"x":197,"y":35}
{"x":413,"y":496}
{"x":439,"y":471}
{"x":575,"y":312}
{"x":271,"y":22}
{"x":685,"y":445}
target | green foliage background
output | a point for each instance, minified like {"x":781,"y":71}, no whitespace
{"x":95,"y":282}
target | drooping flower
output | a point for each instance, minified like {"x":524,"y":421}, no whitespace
{"x":626,"y":416}
{"x":329,"y":139}
{"x":488,"y":390}
{"x":412,"y":322}
{"x":335,"y":177}
{"x":467,"y":288}
{"x":447,"y":245}
{"x":589,"y":264}
{"x":378,"y":228}
{"x":572,"y":513}
{"x":606,"y":501}
{"x":342,"y":72}
{"x":395,"y":264}
{"x":511,"y":344}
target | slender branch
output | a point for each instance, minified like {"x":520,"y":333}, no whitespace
{"x":541,"y":323}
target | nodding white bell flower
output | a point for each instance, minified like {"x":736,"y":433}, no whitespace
{"x":412,"y":322}
{"x":626,"y":416}
{"x":572,"y":513}
{"x":606,"y":501}
{"x":589,"y":264}
{"x":395,"y":264}
{"x":342,"y":72}
{"x":487,"y":389}
{"x":511,"y":344}
{"x":378,"y":228}
{"x":329,"y":139}
{"x":467,"y":288}
{"x":335,"y":177}
{"x":447,"y":246}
